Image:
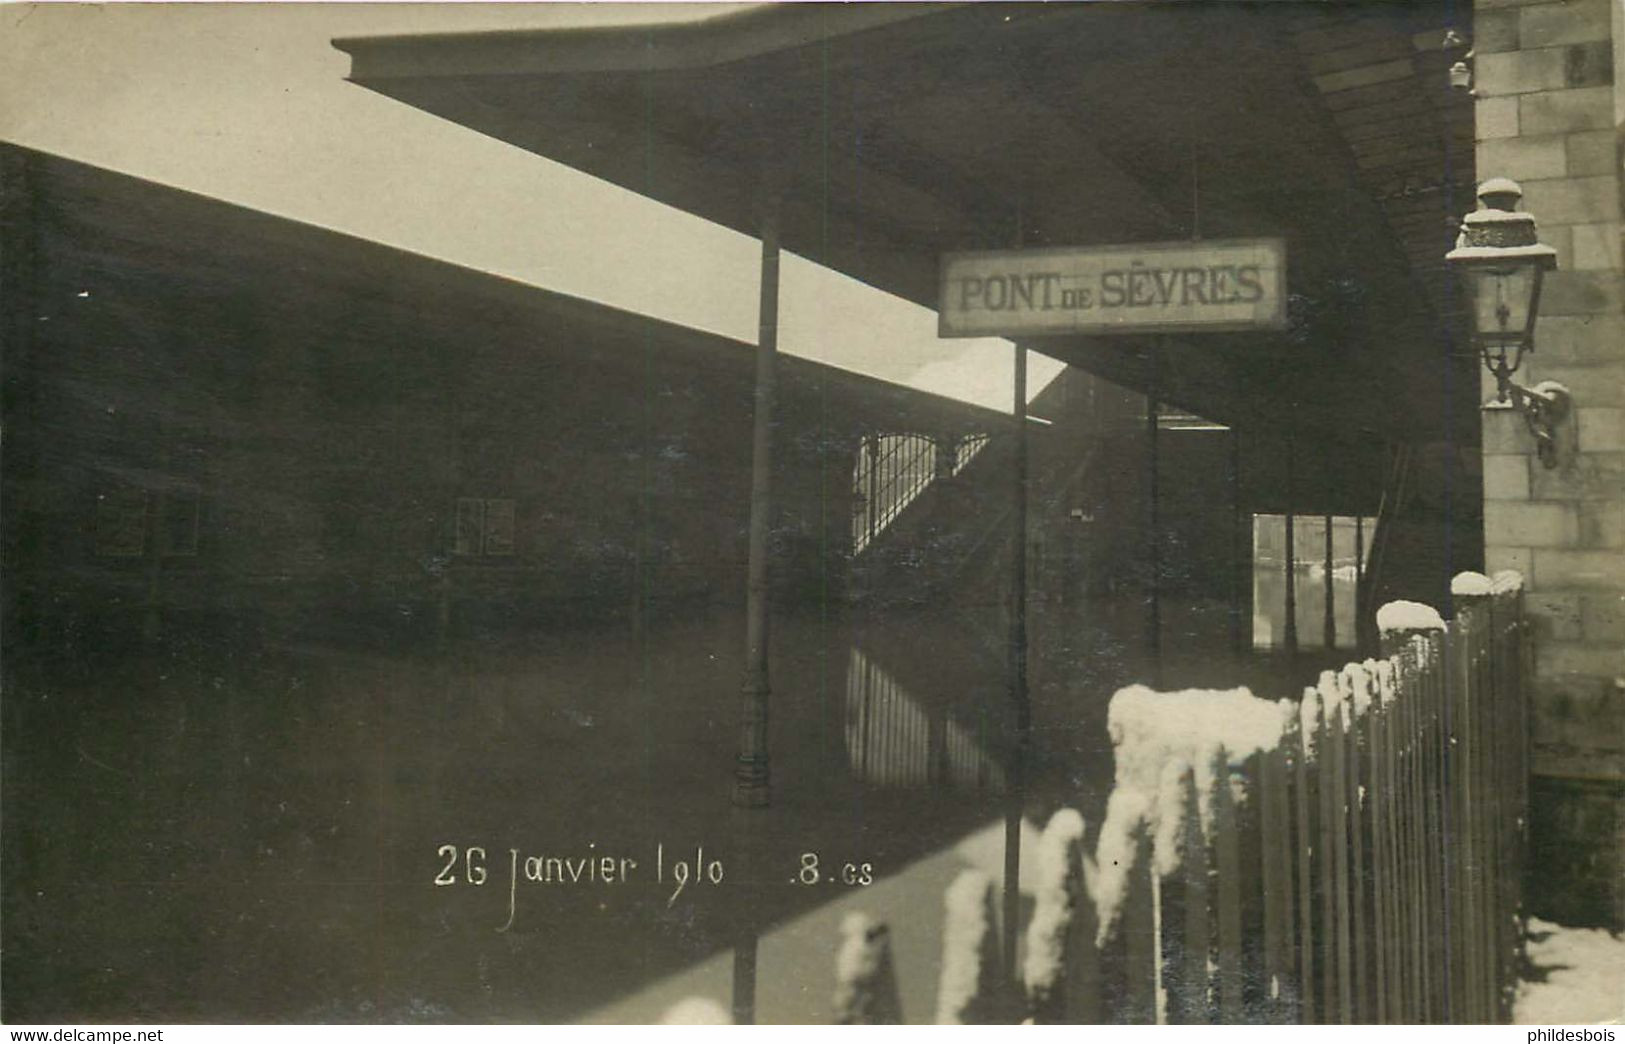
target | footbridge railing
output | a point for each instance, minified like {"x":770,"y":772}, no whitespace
{"x":894,"y":470}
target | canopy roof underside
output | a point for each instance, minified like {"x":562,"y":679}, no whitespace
{"x":894,"y":133}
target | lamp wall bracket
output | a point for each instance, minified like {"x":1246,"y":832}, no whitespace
{"x":1542,"y":408}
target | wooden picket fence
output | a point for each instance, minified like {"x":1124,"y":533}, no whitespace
{"x":1364,"y":868}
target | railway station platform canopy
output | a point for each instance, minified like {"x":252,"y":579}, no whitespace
{"x":890,"y":134}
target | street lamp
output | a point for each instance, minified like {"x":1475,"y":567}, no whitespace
{"x":1501,"y":266}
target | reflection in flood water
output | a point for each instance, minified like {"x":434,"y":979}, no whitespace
{"x":225,"y":828}
{"x":219,"y":832}
{"x":894,"y":741}
{"x":1313,"y":583}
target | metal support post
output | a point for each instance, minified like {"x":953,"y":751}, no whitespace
{"x":1018,"y":672}
{"x":751,"y":780}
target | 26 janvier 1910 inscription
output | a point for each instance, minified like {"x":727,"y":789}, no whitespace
{"x":1203,"y":285}
{"x":673,"y":869}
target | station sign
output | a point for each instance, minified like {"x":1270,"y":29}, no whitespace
{"x":1206,"y":285}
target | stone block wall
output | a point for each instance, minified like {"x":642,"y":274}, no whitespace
{"x":1548,"y":114}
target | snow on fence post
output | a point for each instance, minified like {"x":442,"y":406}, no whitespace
{"x":1082,"y":985}
{"x":1500,"y":758}
{"x":1326,"y":826}
{"x":1407,"y":632}
{"x":1439,"y":829}
{"x":1398,"y":982}
{"x":1305,"y":738}
{"x":1486,"y":761}
{"x":1334,"y":785}
{"x":1061,"y":970}
{"x":1126,"y":937}
{"x":1182,"y":900}
{"x":1488,"y":801}
{"x":1466,"y":686}
{"x":1430,"y":758}
{"x":1356,"y":683}
{"x":1414,"y":822}
{"x":1333,"y":850}
{"x":1377,"y":793}
{"x":971,"y":987}
{"x":1482,"y":608}
{"x":1511,"y":781}
{"x":1155,"y":737}
{"x":1386,"y":908}
{"x":1421,"y":798}
{"x":1357,"y":707}
{"x":1273,"y":850}
{"x":1228,"y":825}
{"x":865,"y":980}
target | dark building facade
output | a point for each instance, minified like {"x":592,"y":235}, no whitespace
{"x":217,"y":412}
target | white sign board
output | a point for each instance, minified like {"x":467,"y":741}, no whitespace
{"x":1135,"y":288}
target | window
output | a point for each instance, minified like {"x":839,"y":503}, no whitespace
{"x":1315,"y":580}
{"x":485,"y":526}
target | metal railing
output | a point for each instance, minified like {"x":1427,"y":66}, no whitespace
{"x":893,"y":470}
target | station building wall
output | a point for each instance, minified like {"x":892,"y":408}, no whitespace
{"x":218,"y":420}
{"x":1549,"y":115}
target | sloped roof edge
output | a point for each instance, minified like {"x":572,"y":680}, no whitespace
{"x":651,"y":47}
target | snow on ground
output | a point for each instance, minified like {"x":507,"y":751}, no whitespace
{"x":1577,"y":976}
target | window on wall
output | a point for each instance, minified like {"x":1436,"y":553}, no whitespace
{"x":1324,"y":562}
{"x":485,"y":526}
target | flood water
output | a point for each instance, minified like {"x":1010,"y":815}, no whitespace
{"x":316,"y":832}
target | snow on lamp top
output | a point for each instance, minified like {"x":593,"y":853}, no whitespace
{"x":1498,"y":230}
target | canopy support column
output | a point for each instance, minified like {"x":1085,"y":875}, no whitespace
{"x":751,"y":781}
{"x":1153,"y":412}
{"x":1016,"y":783}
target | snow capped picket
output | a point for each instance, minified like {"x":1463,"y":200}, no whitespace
{"x":1383,"y":672}
{"x":970,"y":971}
{"x":1334,"y":698}
{"x":1408,"y":616}
{"x":1507,"y":581}
{"x":1156,"y":738}
{"x":1470,"y":584}
{"x":1059,"y":887}
{"x":1309,"y":718}
{"x":1361,"y":679}
{"x":865,"y":984}
{"x":1128,"y":811}
{"x":1168,"y":824}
